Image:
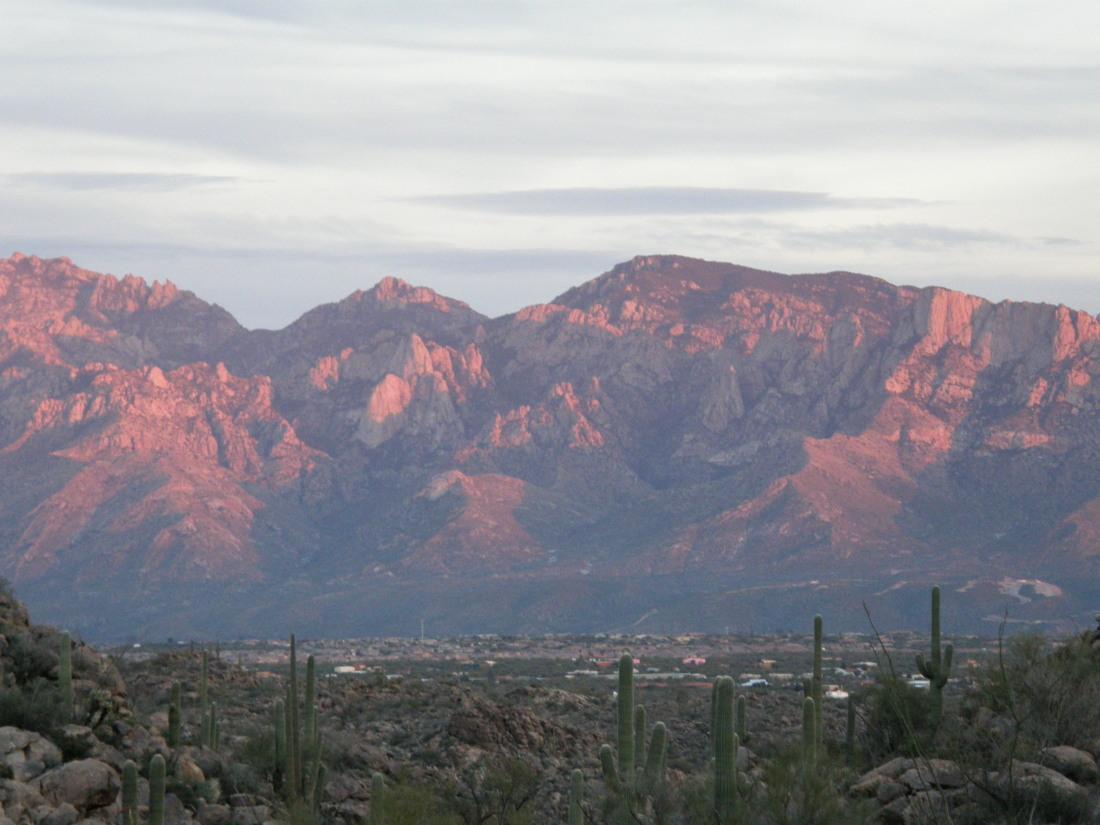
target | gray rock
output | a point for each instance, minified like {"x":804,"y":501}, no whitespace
{"x":251,"y":815}
{"x":63,"y":814}
{"x":889,"y":790}
{"x":85,"y":784}
{"x":214,"y":815}
{"x":1032,"y":780}
{"x":1072,"y":762}
{"x":933,"y":773}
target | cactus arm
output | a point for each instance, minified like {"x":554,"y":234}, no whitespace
{"x":610,"y":771}
{"x":156,"y":790}
{"x":809,"y":735}
{"x":725,"y":755}
{"x":639,"y":736}
{"x":626,"y":717}
{"x":377,"y":799}
{"x":818,"y":687}
{"x":742,"y":719}
{"x":576,"y":797}
{"x":653,"y":776}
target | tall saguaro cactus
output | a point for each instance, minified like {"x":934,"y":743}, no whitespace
{"x":204,"y":680}
{"x":310,"y":709}
{"x":742,"y":719}
{"x":850,"y":732}
{"x":576,"y":797}
{"x":293,"y":731}
{"x":809,"y":735}
{"x":725,"y":753}
{"x":65,"y":675}
{"x":280,"y":747}
{"x":156,"y":790}
{"x":633,"y":785}
{"x":129,"y":794}
{"x":626,"y":717}
{"x":938,"y":670}
{"x":377,"y":799}
{"x":174,"y":714}
{"x":818,"y":691}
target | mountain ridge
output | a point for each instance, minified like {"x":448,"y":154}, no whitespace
{"x":725,"y":433}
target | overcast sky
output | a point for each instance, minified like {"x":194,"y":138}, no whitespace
{"x":274,"y":154}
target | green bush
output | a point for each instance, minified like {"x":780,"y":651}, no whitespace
{"x":408,"y":804}
{"x":31,"y":658}
{"x":1051,"y":693}
{"x":35,"y":707}
{"x":898,"y":717}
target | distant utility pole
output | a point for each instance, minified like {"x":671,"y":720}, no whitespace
{"x":421,"y":631}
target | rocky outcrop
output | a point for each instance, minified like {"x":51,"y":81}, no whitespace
{"x":917,"y":791}
{"x":750,"y":439}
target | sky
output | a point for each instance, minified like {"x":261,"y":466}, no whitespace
{"x":271,"y":155}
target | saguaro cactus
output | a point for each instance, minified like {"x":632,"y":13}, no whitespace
{"x":377,"y":799}
{"x":639,"y":736}
{"x":938,"y":670}
{"x":174,"y":715}
{"x":576,"y":797}
{"x":204,"y":680}
{"x":725,"y":754}
{"x":818,"y":692}
{"x":279,"y":774}
{"x":65,"y":675}
{"x":293,"y":731}
{"x":633,"y":785}
{"x":626,"y":718}
{"x":129,"y":794}
{"x":310,"y":709}
{"x":156,"y":790}
{"x":809,"y":735}
{"x":742,"y":719}
{"x":850,"y":732}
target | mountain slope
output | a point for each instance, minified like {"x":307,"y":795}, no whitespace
{"x":685,"y":443}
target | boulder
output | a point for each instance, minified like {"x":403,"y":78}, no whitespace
{"x":188,"y":770}
{"x":1033,"y":780}
{"x":1078,"y":765}
{"x":27,"y":754}
{"x":85,"y":784}
{"x":933,"y":773}
{"x":63,"y":814}
{"x":214,"y":815}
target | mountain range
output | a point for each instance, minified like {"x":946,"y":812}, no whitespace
{"x":675,"y":445}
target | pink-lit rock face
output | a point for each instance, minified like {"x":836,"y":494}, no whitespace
{"x":722,"y":426}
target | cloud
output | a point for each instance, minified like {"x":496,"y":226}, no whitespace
{"x":117,"y":181}
{"x":900,"y":235}
{"x":654,"y":200}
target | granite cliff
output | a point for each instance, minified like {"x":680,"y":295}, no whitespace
{"x":674,"y":444}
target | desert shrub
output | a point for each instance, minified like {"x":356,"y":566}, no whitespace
{"x":415,"y":804}
{"x":258,"y":751}
{"x":1051,"y":695}
{"x":897,"y":717}
{"x":31,"y":658}
{"x":793,"y":796}
{"x":35,"y":707}
{"x":73,"y":747}
{"x":499,"y":790}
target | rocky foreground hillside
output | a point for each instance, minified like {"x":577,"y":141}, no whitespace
{"x":675,"y":444}
{"x":190,"y":739}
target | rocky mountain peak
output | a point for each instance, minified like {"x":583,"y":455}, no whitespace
{"x":717,"y":426}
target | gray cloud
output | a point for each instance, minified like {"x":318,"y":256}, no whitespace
{"x":899,"y":235}
{"x":118,"y":181}
{"x":654,"y":200}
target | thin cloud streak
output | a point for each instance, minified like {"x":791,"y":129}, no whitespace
{"x":654,"y":200}
{"x":116,"y":181}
